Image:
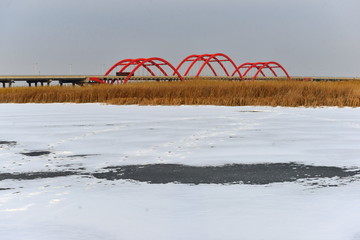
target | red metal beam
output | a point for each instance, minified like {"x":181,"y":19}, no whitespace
{"x":207,"y":59}
{"x":267,"y":65}
{"x":154,"y":61}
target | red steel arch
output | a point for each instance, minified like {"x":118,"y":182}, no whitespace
{"x":194,"y":58}
{"x":271,"y":66}
{"x":145,"y":63}
{"x":207,"y":59}
{"x":260,"y":66}
{"x":248,"y":66}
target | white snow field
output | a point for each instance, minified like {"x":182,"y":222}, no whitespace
{"x":89,"y":137}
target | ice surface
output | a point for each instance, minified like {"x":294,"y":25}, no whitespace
{"x":89,"y":137}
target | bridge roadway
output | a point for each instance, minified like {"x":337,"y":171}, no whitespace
{"x":86,"y":79}
{"x":75,"y":79}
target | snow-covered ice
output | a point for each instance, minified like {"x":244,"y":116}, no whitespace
{"x":90,"y":137}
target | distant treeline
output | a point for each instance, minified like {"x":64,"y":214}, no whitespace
{"x":198,"y":92}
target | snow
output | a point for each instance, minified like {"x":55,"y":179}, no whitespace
{"x":86,"y":208}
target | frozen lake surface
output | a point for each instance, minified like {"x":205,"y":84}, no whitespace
{"x":92,"y":171}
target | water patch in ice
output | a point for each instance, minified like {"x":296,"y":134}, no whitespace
{"x":8,"y":143}
{"x":35,"y":175}
{"x":36,"y":153}
{"x":255,"y":174}
{"x":250,"y":111}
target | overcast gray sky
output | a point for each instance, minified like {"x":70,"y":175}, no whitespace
{"x":308,"y":37}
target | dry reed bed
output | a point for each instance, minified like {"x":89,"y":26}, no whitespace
{"x":200,"y":92}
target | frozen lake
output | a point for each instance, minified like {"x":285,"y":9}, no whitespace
{"x":92,"y":171}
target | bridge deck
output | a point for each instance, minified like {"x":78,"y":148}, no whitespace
{"x":76,"y":79}
{"x":85,"y":79}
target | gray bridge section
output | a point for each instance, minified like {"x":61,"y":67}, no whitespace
{"x":34,"y":80}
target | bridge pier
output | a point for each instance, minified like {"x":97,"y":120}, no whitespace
{"x":7,"y":81}
{"x":36,"y":83}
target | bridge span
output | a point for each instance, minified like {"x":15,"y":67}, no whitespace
{"x":219,"y":66}
{"x":36,"y":80}
{"x":41,"y":80}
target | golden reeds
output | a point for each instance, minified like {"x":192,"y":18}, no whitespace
{"x":198,"y":92}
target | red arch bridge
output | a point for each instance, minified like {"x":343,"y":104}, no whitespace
{"x":212,"y":66}
{"x":208,"y":66}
